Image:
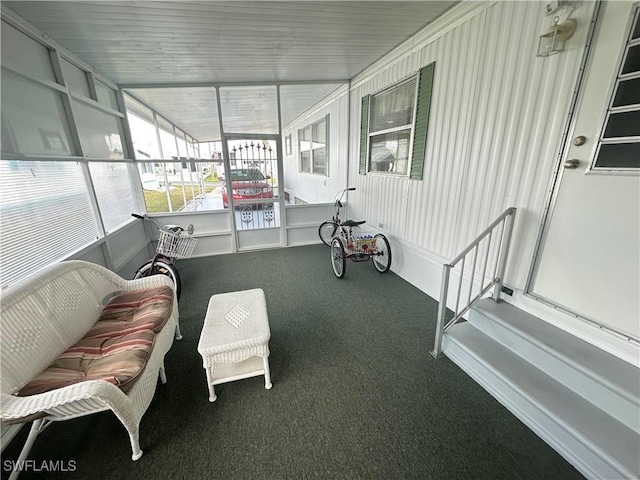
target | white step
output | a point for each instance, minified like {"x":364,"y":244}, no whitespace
{"x":611,"y":384}
{"x":595,"y":443}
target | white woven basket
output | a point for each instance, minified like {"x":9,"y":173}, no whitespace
{"x":175,"y":245}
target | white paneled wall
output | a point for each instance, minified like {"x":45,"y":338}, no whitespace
{"x":495,"y":130}
{"x":319,"y":188}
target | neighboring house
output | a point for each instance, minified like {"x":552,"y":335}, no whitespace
{"x":439,"y":136}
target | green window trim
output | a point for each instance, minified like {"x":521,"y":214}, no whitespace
{"x":364,"y":134}
{"x":421,"y":126}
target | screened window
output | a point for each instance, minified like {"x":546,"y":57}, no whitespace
{"x":36,"y":199}
{"x":394,"y":127}
{"x":53,"y":200}
{"x":115,"y":192}
{"x":314,"y":147}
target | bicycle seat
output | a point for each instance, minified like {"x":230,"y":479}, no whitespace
{"x":352,"y":223}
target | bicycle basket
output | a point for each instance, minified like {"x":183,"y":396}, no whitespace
{"x":365,"y":244}
{"x":174,"y":245}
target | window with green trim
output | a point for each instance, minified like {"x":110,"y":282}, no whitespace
{"x":313,"y":143}
{"x":394,"y":125}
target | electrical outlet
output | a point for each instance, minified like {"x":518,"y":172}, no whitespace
{"x":380,"y":225}
{"x":507,"y":290}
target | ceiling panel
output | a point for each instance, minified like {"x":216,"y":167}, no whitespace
{"x":143,"y":43}
{"x":167,"y":42}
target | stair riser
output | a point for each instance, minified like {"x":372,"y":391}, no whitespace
{"x":591,"y":463}
{"x":584,"y":385}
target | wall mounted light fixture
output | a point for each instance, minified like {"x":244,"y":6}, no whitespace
{"x":553,"y":39}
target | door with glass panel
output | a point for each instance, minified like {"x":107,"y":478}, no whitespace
{"x":590,"y":259}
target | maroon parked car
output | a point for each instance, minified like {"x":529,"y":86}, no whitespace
{"x":247,"y":184}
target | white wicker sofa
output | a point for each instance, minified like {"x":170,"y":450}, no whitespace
{"x":45,"y":314}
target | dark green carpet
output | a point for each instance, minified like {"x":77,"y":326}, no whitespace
{"x":355,"y":392}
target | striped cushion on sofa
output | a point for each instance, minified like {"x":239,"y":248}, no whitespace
{"x":148,"y":309}
{"x":119,"y":360}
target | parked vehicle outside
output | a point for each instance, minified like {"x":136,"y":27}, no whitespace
{"x":247,"y":184}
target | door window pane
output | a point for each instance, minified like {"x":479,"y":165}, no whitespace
{"x":626,"y":124}
{"x":628,"y":93}
{"x":632,"y":62}
{"x":619,"y":155}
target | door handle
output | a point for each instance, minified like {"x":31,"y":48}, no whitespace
{"x":571,"y":164}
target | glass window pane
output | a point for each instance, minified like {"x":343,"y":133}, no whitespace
{"x":636,"y":30}
{"x":319,"y":132}
{"x":627,"y":93}
{"x":319,"y":161}
{"x":390,"y":152}
{"x":114,"y":189}
{"x":75,"y":78}
{"x":36,"y":199}
{"x":393,"y":107}
{"x":106,"y":95}
{"x":305,"y":162}
{"x":632,"y":62}
{"x":144,"y":137}
{"x":626,"y":124}
{"x":619,"y":155}
{"x":25,"y":55}
{"x":100,"y":133}
{"x":249,"y":109}
{"x":33,"y":118}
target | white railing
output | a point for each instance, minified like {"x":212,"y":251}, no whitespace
{"x":492,"y":262}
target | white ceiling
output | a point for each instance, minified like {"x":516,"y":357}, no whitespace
{"x":145,"y":43}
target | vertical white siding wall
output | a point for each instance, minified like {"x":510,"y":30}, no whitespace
{"x":319,"y":188}
{"x":495,"y":130}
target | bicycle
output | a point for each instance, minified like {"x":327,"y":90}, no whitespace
{"x":328,"y":229}
{"x":172,"y":245}
{"x":347,"y":243}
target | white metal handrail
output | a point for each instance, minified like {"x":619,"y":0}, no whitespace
{"x":494,"y":255}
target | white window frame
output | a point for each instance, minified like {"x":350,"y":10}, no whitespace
{"x":410,"y":127}
{"x":309,"y":127}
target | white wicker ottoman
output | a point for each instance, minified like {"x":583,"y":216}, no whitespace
{"x":234,"y":343}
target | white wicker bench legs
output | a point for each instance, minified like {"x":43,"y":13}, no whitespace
{"x":234,"y":343}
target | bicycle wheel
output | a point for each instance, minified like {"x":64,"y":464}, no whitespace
{"x":382,"y":261}
{"x":326,"y":231}
{"x":161,"y":268}
{"x":338,"y":261}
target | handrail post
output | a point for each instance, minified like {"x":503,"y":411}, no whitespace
{"x":504,"y":252}
{"x":442,"y":310}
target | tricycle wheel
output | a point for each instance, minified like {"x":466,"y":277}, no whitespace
{"x":382,"y":260}
{"x":338,"y":261}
